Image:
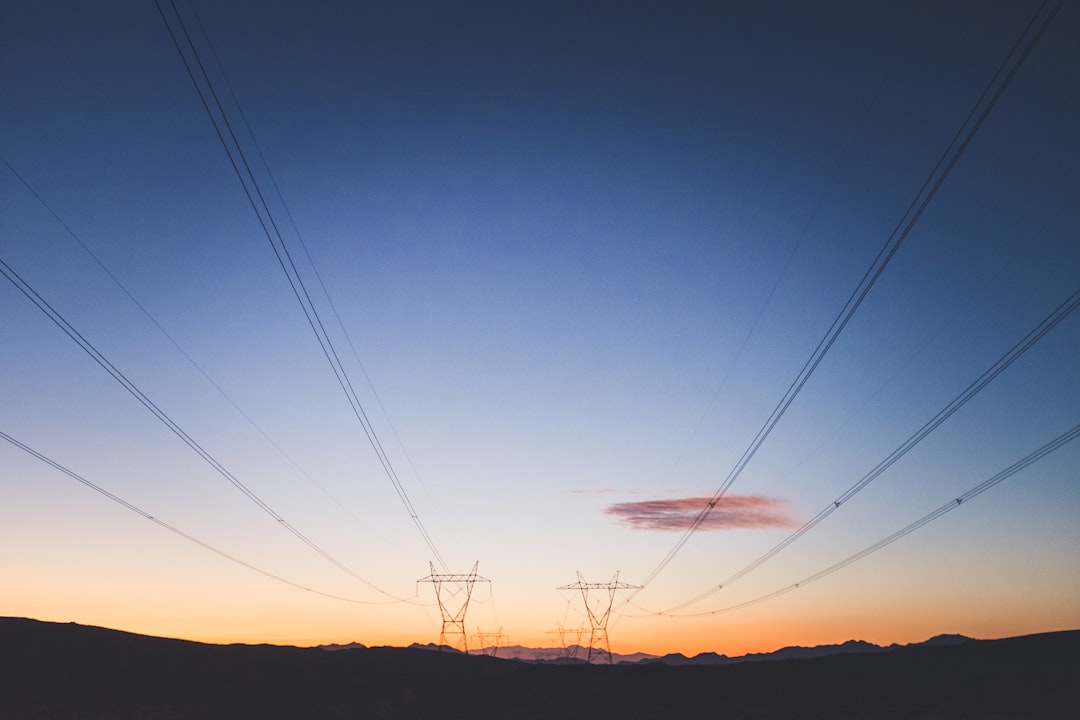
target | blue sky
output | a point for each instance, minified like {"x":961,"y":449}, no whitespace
{"x":548,"y":232}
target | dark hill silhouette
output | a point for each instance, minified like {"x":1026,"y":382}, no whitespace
{"x":50,"y":670}
{"x":788,"y":653}
{"x":795,"y":652}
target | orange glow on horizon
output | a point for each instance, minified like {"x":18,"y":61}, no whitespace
{"x":733,"y":640}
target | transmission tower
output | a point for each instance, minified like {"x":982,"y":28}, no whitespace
{"x":569,"y":649}
{"x":489,"y":641}
{"x":598,"y":611}
{"x":453,"y":592}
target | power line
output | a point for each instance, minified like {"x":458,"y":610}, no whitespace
{"x":826,"y":188}
{"x":171,"y":339}
{"x":15,"y":279}
{"x":951,"y":505}
{"x":173,"y":529}
{"x":284,"y":257}
{"x":303,"y":246}
{"x":1014,"y":353}
{"x":1005,"y":263}
{"x":948,"y":159}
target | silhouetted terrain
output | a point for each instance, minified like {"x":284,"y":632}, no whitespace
{"x":576,"y":654}
{"x":50,"y":670}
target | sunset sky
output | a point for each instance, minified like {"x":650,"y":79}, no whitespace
{"x":582,"y":250}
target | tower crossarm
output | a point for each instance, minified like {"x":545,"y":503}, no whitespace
{"x":453,"y":591}
{"x":598,"y":611}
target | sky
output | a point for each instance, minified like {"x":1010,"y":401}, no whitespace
{"x":581,"y":251}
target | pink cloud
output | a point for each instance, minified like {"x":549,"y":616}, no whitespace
{"x":731,"y":511}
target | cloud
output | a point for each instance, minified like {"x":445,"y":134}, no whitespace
{"x":729,"y":512}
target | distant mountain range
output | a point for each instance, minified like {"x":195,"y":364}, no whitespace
{"x":578,"y":653}
{"x":797,"y":652}
{"x":61,"y":671}
{"x":556,"y":656}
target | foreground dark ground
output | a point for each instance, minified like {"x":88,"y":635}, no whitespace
{"x":70,"y":671}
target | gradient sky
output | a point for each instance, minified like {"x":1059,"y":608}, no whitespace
{"x":548,"y":229}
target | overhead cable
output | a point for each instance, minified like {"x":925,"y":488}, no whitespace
{"x":1044,"y":326}
{"x":826,"y":189}
{"x":15,"y":279}
{"x":303,"y":246}
{"x":176,"y":531}
{"x":1055,"y":444}
{"x":149,"y":316}
{"x":256,"y":198}
{"x":989,"y":97}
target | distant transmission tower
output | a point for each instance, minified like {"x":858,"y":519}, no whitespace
{"x":569,"y":649}
{"x":489,"y":641}
{"x":599,"y":610}
{"x":453,"y":592}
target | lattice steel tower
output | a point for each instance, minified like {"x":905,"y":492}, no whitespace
{"x":599,"y":610}
{"x":569,"y":648}
{"x":453,"y":592}
{"x":489,"y":641}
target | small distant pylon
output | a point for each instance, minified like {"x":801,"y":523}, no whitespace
{"x":489,"y":641}
{"x":453,"y":592}
{"x":599,"y":611}
{"x":569,"y":650}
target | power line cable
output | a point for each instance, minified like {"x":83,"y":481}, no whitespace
{"x":826,"y":188}
{"x":284,"y":258}
{"x":951,"y":505}
{"x":989,"y":97}
{"x":1014,"y":353}
{"x":173,"y":529}
{"x":15,"y":279}
{"x":1007,"y":261}
{"x":307,"y":253}
{"x":123,"y":288}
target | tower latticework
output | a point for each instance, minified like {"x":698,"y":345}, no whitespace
{"x":598,"y":599}
{"x":489,"y":641}
{"x":453,"y":592}
{"x":569,"y":647}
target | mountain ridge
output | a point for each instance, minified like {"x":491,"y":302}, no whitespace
{"x":56,"y":671}
{"x":577,"y":653}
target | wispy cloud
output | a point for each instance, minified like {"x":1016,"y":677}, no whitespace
{"x":731,"y":511}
